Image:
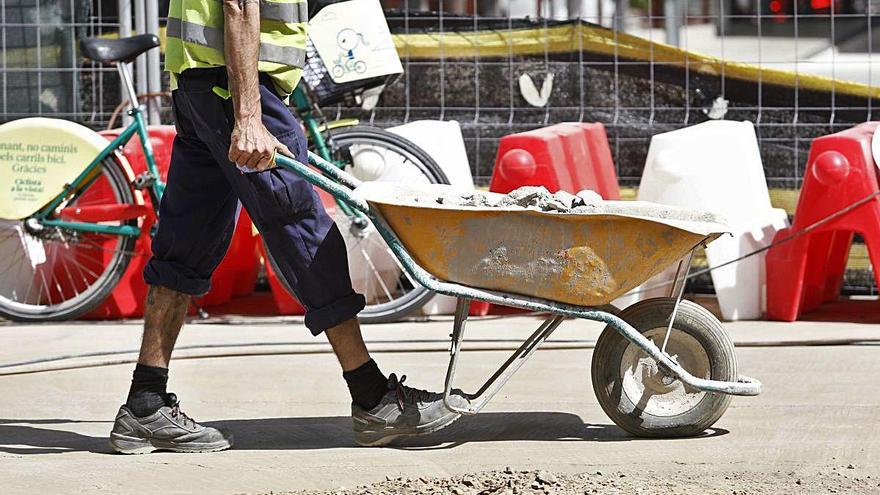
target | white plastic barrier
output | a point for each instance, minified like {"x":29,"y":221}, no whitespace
{"x":373,"y":270}
{"x":444,"y":142}
{"x":716,"y":166}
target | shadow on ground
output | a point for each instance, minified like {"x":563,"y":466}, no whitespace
{"x":36,"y":436}
{"x":308,"y":433}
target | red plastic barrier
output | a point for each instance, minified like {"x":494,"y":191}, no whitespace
{"x":569,"y":157}
{"x":285,"y":303}
{"x":235,"y":276}
{"x":127,"y":298}
{"x":601,"y":161}
{"x":807,"y":271}
{"x":161,"y":139}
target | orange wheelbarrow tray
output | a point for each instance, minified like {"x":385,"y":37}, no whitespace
{"x":567,"y":265}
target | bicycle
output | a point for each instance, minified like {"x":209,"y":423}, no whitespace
{"x":345,"y":65}
{"x":68,"y":232}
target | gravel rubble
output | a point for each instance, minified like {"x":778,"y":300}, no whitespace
{"x":684,"y":480}
{"x":532,"y":197}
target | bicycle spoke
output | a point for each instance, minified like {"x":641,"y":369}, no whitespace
{"x":379,"y":243}
{"x":70,"y":279}
{"x":365,"y":248}
{"x":82,"y":277}
{"x":66,"y":260}
{"x":61,"y":254}
{"x":28,"y":293}
{"x":403,"y":271}
{"x":376,"y":274}
{"x":21,"y":266}
{"x":15,"y":263}
{"x":46,"y":288}
{"x":366,"y":279}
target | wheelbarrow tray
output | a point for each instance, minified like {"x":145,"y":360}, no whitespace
{"x":556,"y":263}
{"x":586,"y":259}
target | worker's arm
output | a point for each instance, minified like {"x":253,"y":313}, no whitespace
{"x":252,"y":145}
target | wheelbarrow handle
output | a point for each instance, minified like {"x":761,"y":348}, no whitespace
{"x":340,"y":184}
{"x":333,"y":171}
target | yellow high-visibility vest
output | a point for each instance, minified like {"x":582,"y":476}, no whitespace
{"x":195,"y":38}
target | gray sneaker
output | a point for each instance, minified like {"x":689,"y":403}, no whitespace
{"x":166,"y":429}
{"x":403,"y":411}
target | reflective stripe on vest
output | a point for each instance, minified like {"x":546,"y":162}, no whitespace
{"x":212,"y":37}
{"x":284,"y":12}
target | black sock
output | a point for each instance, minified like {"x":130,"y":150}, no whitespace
{"x":147,"y":393}
{"x":366,"y":384}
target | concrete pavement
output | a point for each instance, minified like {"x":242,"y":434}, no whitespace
{"x":289,"y":409}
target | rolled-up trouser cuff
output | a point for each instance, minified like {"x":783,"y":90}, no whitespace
{"x":341,"y":310}
{"x":175,"y":276}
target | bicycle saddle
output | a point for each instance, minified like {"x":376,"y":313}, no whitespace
{"x":117,"y":50}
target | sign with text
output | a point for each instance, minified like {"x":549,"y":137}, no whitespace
{"x":38,"y":156}
{"x":354,"y":41}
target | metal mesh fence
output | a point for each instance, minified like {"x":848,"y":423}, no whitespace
{"x":40,"y":70}
{"x":796,"y":68}
{"x":458,"y":72}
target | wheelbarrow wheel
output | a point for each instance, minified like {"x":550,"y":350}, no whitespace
{"x":643,"y":400}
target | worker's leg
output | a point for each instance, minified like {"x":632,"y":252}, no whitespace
{"x":197,"y":218}
{"x":348,"y":344}
{"x":196,"y":221}
{"x":164,"y":312}
{"x":311,"y":254}
{"x":302,"y":239}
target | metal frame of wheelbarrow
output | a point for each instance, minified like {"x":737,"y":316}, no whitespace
{"x":341,"y":185}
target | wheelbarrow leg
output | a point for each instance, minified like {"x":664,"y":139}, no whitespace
{"x":504,"y":372}
{"x":462,"y":309}
{"x":678,"y":284}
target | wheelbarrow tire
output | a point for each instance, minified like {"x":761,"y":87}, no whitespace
{"x":638,"y":400}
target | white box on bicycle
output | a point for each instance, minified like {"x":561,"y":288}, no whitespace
{"x":353,"y":40}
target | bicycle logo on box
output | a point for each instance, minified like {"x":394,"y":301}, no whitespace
{"x":348,"y":40}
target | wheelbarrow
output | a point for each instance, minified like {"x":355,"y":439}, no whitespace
{"x":662,"y":367}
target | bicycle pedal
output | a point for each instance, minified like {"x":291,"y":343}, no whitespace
{"x":144,"y":180}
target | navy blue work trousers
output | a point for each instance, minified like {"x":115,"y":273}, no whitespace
{"x":198,"y":211}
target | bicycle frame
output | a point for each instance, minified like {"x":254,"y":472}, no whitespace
{"x":90,"y":173}
{"x":307,"y":110}
{"x":138,"y":127}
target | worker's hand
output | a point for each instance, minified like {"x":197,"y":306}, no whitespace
{"x":253,"y":146}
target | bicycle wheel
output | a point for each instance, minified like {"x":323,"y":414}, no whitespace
{"x":373,"y":154}
{"x":51,"y":273}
